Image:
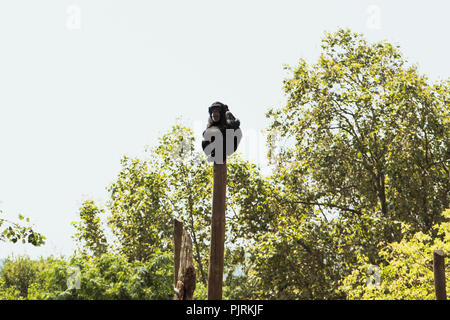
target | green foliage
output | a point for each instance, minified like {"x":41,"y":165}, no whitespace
{"x":407,"y":272}
{"x":149,"y":193}
{"x":364,"y":148}
{"x":101,"y":277}
{"x":371,"y":134}
{"x":188,"y":178}
{"x":17,"y":275}
{"x":138,"y":217}
{"x":201,"y":291}
{"x":251,"y":199}
{"x":89,"y":233}
{"x":13,"y":232}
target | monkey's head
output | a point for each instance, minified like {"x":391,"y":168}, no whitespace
{"x":217,"y":112}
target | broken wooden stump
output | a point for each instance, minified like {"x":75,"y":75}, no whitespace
{"x":184,"y":275}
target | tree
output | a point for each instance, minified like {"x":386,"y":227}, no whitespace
{"x":108,"y":276}
{"x":89,"y":233}
{"x":364,"y":146}
{"x":407,"y":272}
{"x":139,"y":219}
{"x":18,"y":275}
{"x":13,"y":232}
{"x":371,"y":134}
{"x":188,"y":178}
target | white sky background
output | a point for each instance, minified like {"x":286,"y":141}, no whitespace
{"x":77,"y":94}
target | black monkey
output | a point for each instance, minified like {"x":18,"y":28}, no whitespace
{"x":220,"y":116}
{"x":222,"y":119}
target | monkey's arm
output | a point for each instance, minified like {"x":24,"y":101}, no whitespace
{"x":232,"y":122}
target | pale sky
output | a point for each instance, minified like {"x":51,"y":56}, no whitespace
{"x":83,"y":83}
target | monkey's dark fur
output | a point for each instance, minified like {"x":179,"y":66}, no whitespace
{"x":226,"y":121}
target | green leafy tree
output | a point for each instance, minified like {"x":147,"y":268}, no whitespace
{"x":14,"y":231}
{"x":363,"y":146}
{"x":251,"y":213}
{"x":89,"y":233}
{"x":251,"y":200}
{"x":139,"y":219}
{"x":188,"y":190}
{"x":407,"y":272}
{"x":371,"y":134}
{"x":103,"y":277}
{"x":17,"y":275}
{"x":114,"y":277}
{"x":305,"y":258}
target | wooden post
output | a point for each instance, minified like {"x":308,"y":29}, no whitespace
{"x":184,"y":276}
{"x":177,"y":237}
{"x":216,"y":253}
{"x":439,"y":274}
